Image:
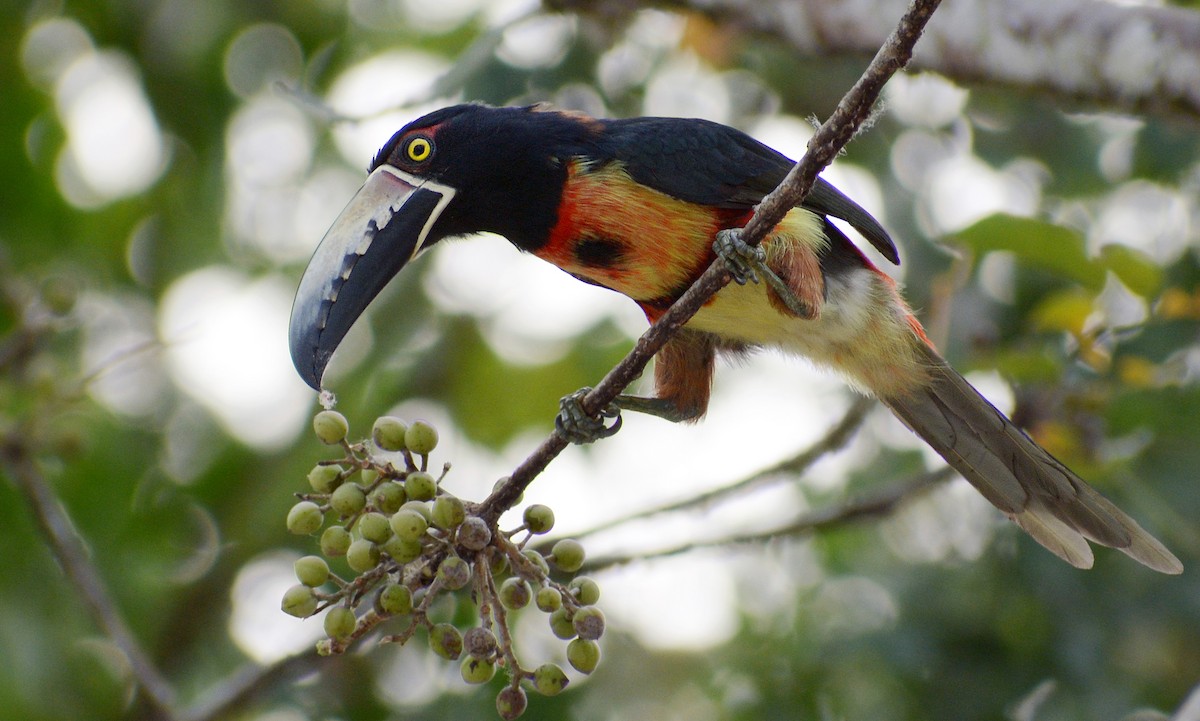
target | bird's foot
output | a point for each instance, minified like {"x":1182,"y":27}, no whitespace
{"x":743,"y":261}
{"x":747,"y":262}
{"x":577,"y":426}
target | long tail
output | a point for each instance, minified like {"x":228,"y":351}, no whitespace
{"x":1055,"y":506}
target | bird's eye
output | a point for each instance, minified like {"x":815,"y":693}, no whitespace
{"x":419,"y":149}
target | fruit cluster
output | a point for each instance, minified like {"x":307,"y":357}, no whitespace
{"x":408,"y":541}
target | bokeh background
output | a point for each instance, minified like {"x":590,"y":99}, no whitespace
{"x":170,"y":165}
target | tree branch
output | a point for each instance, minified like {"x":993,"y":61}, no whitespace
{"x":873,"y":505}
{"x":235,"y":690}
{"x":1125,"y":57}
{"x":829,"y":139}
{"x":833,"y":440}
{"x":72,"y":555}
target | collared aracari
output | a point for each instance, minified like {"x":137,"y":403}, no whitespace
{"x":634,"y":205}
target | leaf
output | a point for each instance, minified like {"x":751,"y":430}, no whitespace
{"x":1163,"y":151}
{"x":1036,"y":242}
{"x":1159,"y":340}
{"x":1028,"y":365}
{"x":1136,"y":270}
{"x":1170,"y":413}
{"x":1065,"y":310}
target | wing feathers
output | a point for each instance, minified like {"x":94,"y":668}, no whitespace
{"x":712,"y":164}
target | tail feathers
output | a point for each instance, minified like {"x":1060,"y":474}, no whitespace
{"x":1064,"y":541}
{"x":1041,"y":495}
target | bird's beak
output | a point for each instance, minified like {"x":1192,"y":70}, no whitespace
{"x":382,"y":228}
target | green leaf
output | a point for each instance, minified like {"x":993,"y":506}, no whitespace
{"x":1160,"y":339}
{"x":1036,"y":242}
{"x":1028,"y":365}
{"x":1066,"y":310}
{"x":1136,"y":270}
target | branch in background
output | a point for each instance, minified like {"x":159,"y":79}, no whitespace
{"x":467,"y":65}
{"x":73,"y":557}
{"x":829,"y":139}
{"x":874,"y":505}
{"x":237,"y":689}
{"x":1124,"y":57}
{"x":833,"y":440}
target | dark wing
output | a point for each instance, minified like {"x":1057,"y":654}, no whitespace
{"x":712,"y":164}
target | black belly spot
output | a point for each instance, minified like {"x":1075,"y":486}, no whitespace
{"x":600,"y":253}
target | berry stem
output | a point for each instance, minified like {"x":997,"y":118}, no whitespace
{"x":511,"y":664}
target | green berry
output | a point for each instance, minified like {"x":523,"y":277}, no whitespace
{"x":335,"y":541}
{"x":585,"y":590}
{"x":538,"y":518}
{"x":446,"y":641}
{"x":340,"y":623}
{"x":395,"y":599}
{"x":299,"y":601}
{"x":583,"y":654}
{"x":347,"y":499}
{"x":388,"y":433}
{"x":324,"y":479}
{"x":589,"y":622}
{"x":305,"y":518}
{"x":420,"y":486}
{"x":537,"y":559}
{"x":375,"y":527}
{"x":331,"y":427}
{"x":567,"y":554}
{"x":477,"y":670}
{"x":448,"y":511}
{"x":454,"y":572}
{"x":402,"y":551}
{"x":560,"y":623}
{"x":515,"y":593}
{"x":549,"y":679}
{"x":474,"y":534}
{"x":420,"y":507}
{"x":480,"y":642}
{"x":548,"y":599}
{"x":312,"y":571}
{"x":421,"y":438}
{"x":408,"y":524}
{"x":362,"y":555}
{"x":388,"y":497}
{"x":511,"y":702}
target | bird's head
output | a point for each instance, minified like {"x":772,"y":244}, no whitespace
{"x":459,"y":170}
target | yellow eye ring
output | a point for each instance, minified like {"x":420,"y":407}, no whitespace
{"x":419,"y":149}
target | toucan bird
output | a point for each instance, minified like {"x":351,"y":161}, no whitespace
{"x":634,"y":205}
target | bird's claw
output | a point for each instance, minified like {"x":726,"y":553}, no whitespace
{"x":747,"y":262}
{"x":577,"y":426}
{"x":742,"y":260}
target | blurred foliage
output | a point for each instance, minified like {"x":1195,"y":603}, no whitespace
{"x":1100,"y":330}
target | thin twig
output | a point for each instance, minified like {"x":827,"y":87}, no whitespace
{"x":73,"y":557}
{"x":830,"y":138}
{"x":833,"y":440}
{"x":468,"y":63}
{"x":874,"y":505}
{"x":233,"y":691}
